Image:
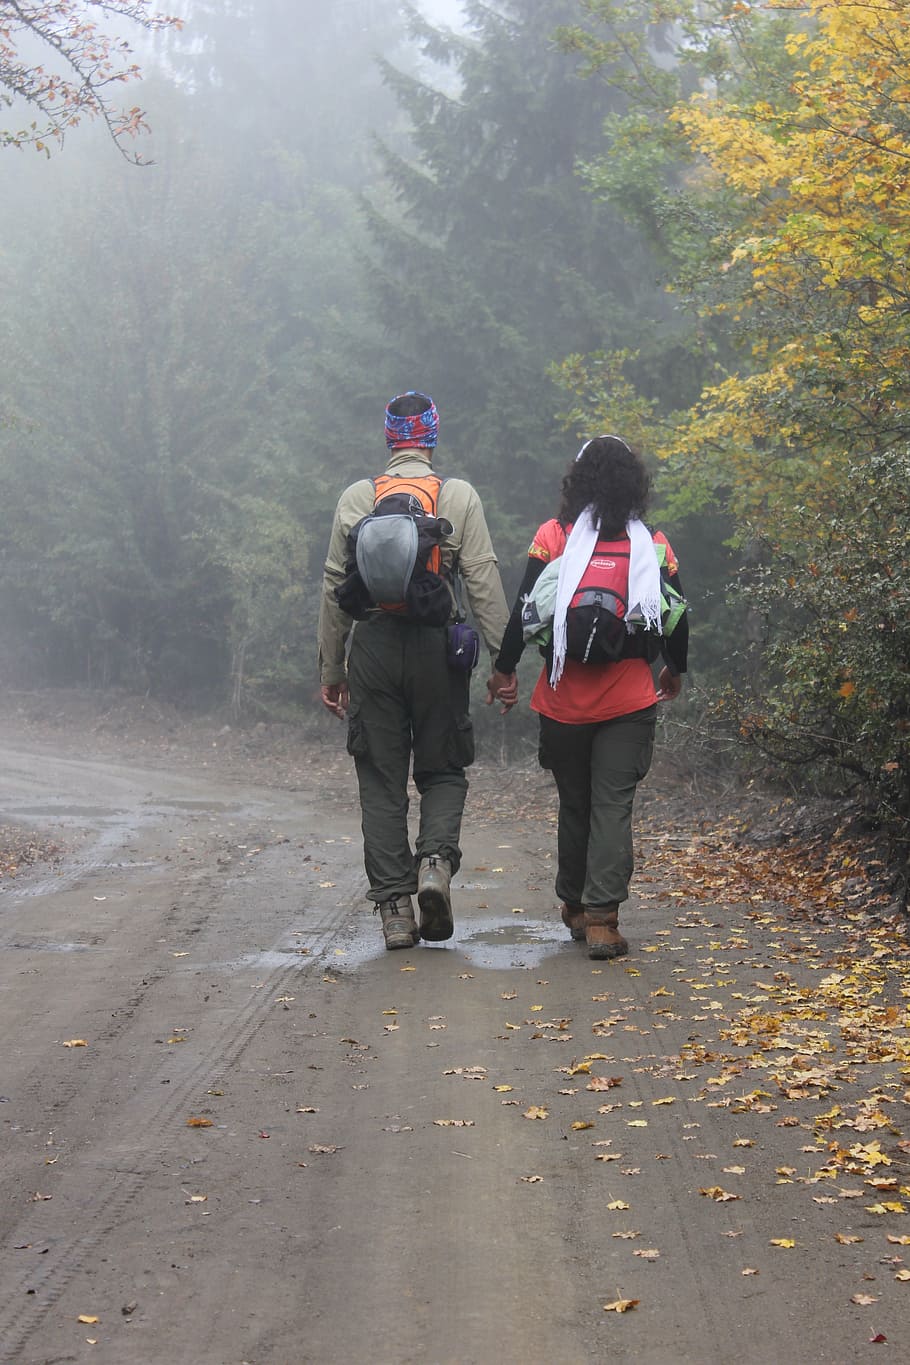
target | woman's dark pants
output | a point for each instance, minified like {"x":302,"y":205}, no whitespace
{"x":597,"y":770}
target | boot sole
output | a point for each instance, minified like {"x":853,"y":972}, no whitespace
{"x":436,"y":922}
{"x":401,"y":940}
{"x":601,"y":952}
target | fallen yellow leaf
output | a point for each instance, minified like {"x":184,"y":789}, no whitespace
{"x":88,"y":1318}
{"x":75,"y":1042}
{"x":621,"y":1305}
{"x":199,"y":1123}
{"x":782,"y":1242}
{"x":619,"y":1204}
{"x":536,"y":1111}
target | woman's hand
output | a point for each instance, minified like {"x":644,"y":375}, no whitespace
{"x":669,"y":685}
{"x":502,"y":687}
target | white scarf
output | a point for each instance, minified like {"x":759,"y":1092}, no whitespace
{"x":644,"y":580}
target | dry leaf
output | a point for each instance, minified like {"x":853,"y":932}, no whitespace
{"x":453,"y":1123}
{"x":903,"y":1241}
{"x":782,"y":1242}
{"x":75,"y":1042}
{"x":720,"y":1195}
{"x":864,"y":1299}
{"x":530,"y":1179}
{"x":323,"y":1148}
{"x":199,"y":1123}
{"x":621,"y":1305}
{"x":749,"y":1271}
{"x":88,"y":1318}
{"x":847,"y":1238}
{"x":580,"y":1124}
{"x":536,"y":1111}
{"x":902,"y":1275}
{"x":626,"y":1235}
{"x":651,"y":1254}
{"x":601,"y":1082}
{"x":618,"y":1204}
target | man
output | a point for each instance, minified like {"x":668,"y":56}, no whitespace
{"x":400,"y":695}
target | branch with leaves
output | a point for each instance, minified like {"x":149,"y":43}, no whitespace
{"x":81,"y":66}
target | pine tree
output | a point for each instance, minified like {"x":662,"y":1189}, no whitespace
{"x":500,"y":261}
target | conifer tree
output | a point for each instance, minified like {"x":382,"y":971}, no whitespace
{"x":499,"y":261}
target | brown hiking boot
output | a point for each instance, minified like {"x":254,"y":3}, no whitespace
{"x":434,"y":899}
{"x":602,"y":933}
{"x":399,"y":928}
{"x":573,"y":917}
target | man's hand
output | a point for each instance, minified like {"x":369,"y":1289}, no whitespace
{"x":669,"y":685}
{"x":502,"y":687}
{"x":336,"y":698}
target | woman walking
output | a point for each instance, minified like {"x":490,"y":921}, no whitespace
{"x":597,"y":720}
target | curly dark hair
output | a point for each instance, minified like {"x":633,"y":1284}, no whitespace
{"x":613,"y":478}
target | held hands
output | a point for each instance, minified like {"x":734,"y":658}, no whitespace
{"x":669,"y":685}
{"x":502,"y":687}
{"x":335,"y":698}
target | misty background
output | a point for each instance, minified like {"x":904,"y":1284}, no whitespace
{"x":345,"y":201}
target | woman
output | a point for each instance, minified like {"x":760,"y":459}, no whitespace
{"x":597,"y":720}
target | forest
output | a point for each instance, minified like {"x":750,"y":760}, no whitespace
{"x":685,"y":221}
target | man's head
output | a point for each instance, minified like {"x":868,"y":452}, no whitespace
{"x":411,"y":421}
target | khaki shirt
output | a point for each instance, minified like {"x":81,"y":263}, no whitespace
{"x":469,"y":545}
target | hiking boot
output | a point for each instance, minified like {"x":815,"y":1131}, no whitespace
{"x":399,"y":928}
{"x":435,"y":902}
{"x":602,"y":933}
{"x":573,"y":917}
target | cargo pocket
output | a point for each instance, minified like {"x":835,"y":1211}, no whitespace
{"x":357,"y":739}
{"x":462,"y":742}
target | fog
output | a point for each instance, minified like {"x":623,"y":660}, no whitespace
{"x":198,"y":351}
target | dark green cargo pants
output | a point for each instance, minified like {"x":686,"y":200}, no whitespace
{"x":597,"y":769}
{"x":405,"y":700}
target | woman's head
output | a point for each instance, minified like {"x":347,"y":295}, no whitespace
{"x":612,"y":478}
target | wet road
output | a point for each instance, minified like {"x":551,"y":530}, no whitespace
{"x":236,"y":1130}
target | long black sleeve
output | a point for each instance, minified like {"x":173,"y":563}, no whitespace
{"x":513,"y":644}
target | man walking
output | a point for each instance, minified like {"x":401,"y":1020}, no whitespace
{"x":400,"y":694}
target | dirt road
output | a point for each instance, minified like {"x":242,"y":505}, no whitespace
{"x":236,"y":1130}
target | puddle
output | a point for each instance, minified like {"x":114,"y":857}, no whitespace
{"x":500,"y":943}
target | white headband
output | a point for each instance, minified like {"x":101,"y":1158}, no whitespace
{"x":606,"y":437}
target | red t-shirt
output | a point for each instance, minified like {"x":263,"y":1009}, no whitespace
{"x":591,"y":692}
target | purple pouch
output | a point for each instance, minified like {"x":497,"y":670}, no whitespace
{"x":462,"y":647}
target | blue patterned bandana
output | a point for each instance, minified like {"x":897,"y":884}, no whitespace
{"x":402,"y":433}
